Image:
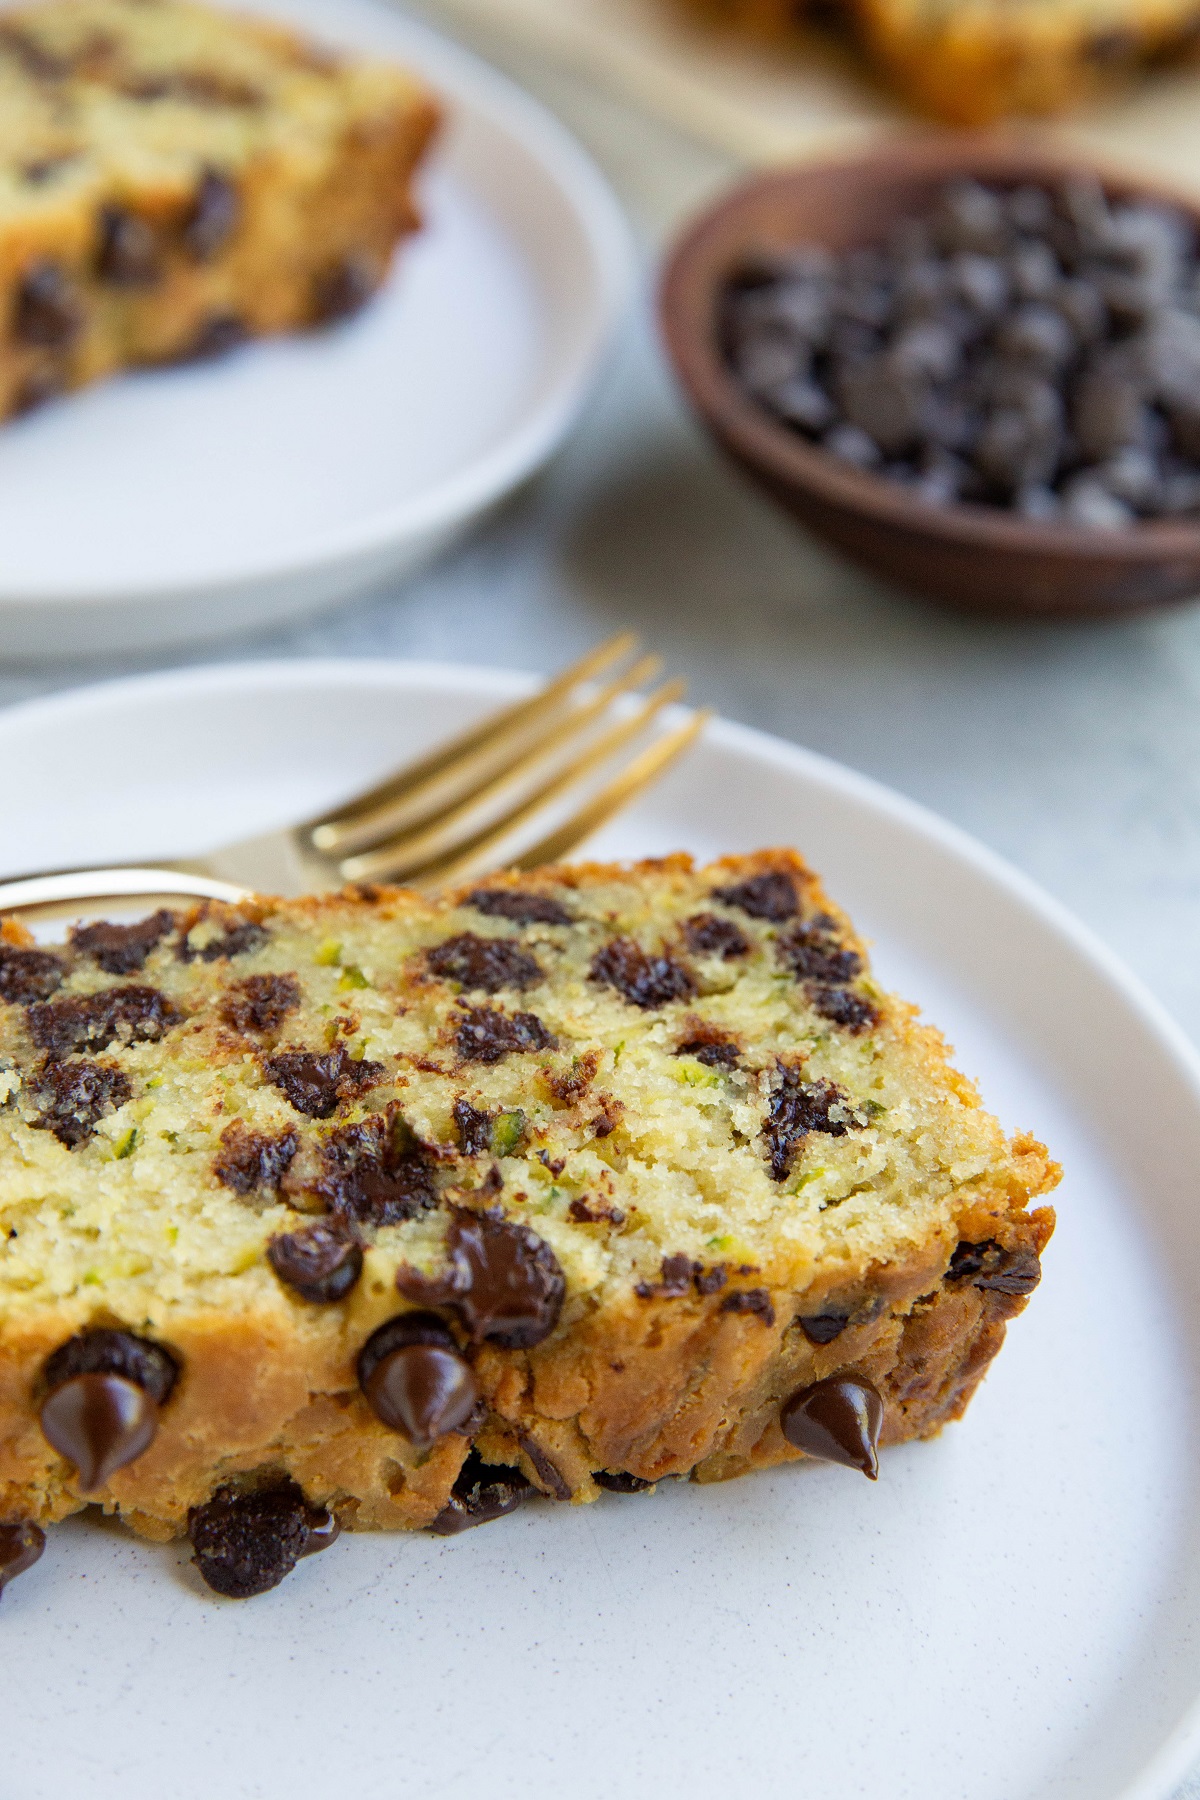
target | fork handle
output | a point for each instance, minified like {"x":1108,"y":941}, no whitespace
{"x":64,"y":891}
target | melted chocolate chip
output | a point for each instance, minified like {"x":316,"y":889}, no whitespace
{"x":47,"y":310}
{"x":710,"y":1045}
{"x":261,"y":1003}
{"x":99,"y":1423}
{"x":248,"y":1160}
{"x":487,"y":963}
{"x":519,"y":905}
{"x":796,"y":1108}
{"x":595,"y":1212}
{"x":218,"y":333}
{"x":989,"y":1265}
{"x":644,"y":980}
{"x":707,"y":935}
{"x":502,"y":1279}
{"x":822,"y":1328}
{"x":674,"y":1280}
{"x":28,"y":975}
{"x":771,"y":897}
{"x":709,"y":1281}
{"x":842,"y":1007}
{"x":74,"y":1096}
{"x":416,"y":1379}
{"x":486,"y":1034}
{"x":314,"y":1083}
{"x":376,"y":1172}
{"x":128,"y":1015}
{"x":38,"y":387}
{"x":616,"y":1481}
{"x":814,"y":952}
{"x":104,"y":1351}
{"x":212,"y":217}
{"x":750,"y":1300}
{"x":20,"y":1547}
{"x":235,"y":940}
{"x":474,"y":1128}
{"x":482,"y":1492}
{"x":546,"y":1469}
{"x":121,"y":949}
{"x":342,"y":289}
{"x":245,"y":1542}
{"x":129,"y":254}
{"x":320,"y":1263}
{"x":838,"y":1421}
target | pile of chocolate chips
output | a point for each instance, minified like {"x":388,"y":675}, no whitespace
{"x":1035,"y":348}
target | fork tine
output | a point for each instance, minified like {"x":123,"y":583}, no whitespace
{"x":435,"y":832}
{"x":332,"y":830}
{"x":644,"y":769}
{"x":392,"y":862}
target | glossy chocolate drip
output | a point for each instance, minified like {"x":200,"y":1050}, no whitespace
{"x":99,"y":1423}
{"x":503,"y":1280}
{"x":20,"y":1547}
{"x":416,"y":1379}
{"x":619,"y":1481}
{"x":482,"y":1492}
{"x":838,"y":1420}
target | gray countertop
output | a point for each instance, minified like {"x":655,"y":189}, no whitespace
{"x":1073,"y":750}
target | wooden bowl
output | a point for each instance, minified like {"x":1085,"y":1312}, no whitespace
{"x":971,"y":556}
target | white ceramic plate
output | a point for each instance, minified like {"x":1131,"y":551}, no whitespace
{"x":1009,"y":1614}
{"x":179,"y":504}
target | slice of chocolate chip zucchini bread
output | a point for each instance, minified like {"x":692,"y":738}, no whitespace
{"x":390,"y":1211}
{"x":174,"y":179}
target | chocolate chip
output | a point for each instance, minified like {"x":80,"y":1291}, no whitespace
{"x":320,"y":1262}
{"x":416,"y":1379}
{"x":797,"y":1108}
{"x":196,"y":87}
{"x":989,"y":1265}
{"x":246,"y":1541}
{"x":616,"y":1481}
{"x":474,"y":1128}
{"x":37,"y":388}
{"x":99,"y":1423}
{"x":129,"y":254}
{"x":20,"y":1547}
{"x":772,"y":897}
{"x":48,"y":313}
{"x":121,"y":949}
{"x":104,"y":1351}
{"x":674,"y":1279}
{"x":314,"y":1082}
{"x":482,"y":1492}
{"x":376,"y":1172}
{"x":519,"y":905}
{"x":814,"y":952}
{"x":586,"y":1211}
{"x":28,"y":975}
{"x":852,"y":1011}
{"x":74,"y":1096}
{"x":342,"y":289}
{"x":489,"y":964}
{"x":838,"y":1420}
{"x":235,"y":940}
{"x":641,"y":979}
{"x":822,"y":1328}
{"x":260,"y":1003}
{"x":502,"y":1279}
{"x":212,"y":217}
{"x":711,"y":1046}
{"x":215,"y":336}
{"x":750,"y":1300}
{"x":486,"y":1034}
{"x":128,"y":1015}
{"x":250,"y":1160}
{"x":545,"y":1468}
{"x":707,"y":935}
{"x":709,"y":1281}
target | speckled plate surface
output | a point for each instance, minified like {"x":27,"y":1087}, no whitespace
{"x":1009,"y":1614}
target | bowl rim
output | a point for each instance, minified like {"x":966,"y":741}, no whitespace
{"x":707,"y":249}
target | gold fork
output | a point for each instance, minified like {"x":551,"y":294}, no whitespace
{"x":463,"y":809}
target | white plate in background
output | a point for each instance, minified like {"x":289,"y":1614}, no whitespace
{"x":1009,"y":1614}
{"x":177,"y":504}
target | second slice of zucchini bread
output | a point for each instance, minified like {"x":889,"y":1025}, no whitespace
{"x":569,"y":1182}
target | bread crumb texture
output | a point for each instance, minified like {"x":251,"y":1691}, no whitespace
{"x":751,"y":1166}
